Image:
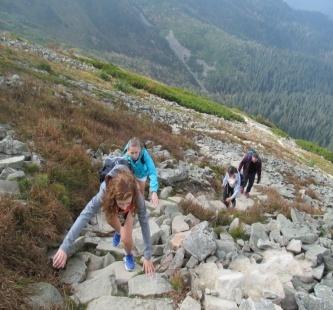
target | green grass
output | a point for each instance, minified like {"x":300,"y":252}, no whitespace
{"x":238,"y":233}
{"x":44,"y":67}
{"x":276,"y":130}
{"x":182,"y":97}
{"x":279,"y":132}
{"x":314,"y":148}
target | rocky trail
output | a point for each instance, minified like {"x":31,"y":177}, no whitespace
{"x":278,"y":263}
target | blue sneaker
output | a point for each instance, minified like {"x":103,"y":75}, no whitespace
{"x":129,"y":262}
{"x":116,"y":239}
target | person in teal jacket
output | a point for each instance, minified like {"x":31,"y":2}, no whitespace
{"x":143,"y":166}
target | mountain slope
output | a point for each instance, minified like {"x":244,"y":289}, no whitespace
{"x":64,"y":116}
{"x":323,"y":6}
{"x":290,"y":88}
{"x":109,"y":26}
{"x":259,"y":55}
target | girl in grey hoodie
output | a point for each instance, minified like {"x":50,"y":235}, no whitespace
{"x":121,"y":199}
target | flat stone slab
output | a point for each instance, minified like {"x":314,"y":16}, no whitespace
{"x":95,"y":288}
{"x":190,"y":304}
{"x":179,"y":224}
{"x":145,"y":286}
{"x":9,"y":187}
{"x":105,"y":246}
{"x":118,"y":270}
{"x":124,"y":303}
{"x":97,"y":262}
{"x":15,"y":162}
{"x":155,"y":234}
{"x":243,"y":203}
{"x":215,"y":303}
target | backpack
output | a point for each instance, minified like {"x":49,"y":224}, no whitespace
{"x":109,"y":164}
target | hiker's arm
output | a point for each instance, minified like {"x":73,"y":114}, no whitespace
{"x":242,"y":163}
{"x":259,"y":172}
{"x":153,"y":183}
{"x":87,"y":213}
{"x":237,"y":187}
{"x":225,"y":180}
{"x":145,"y":230}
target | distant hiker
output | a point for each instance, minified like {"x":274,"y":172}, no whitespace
{"x":120,"y":197}
{"x":251,"y":165}
{"x":231,"y":186}
{"x":143,"y":166}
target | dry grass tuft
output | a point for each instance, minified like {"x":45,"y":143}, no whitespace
{"x":198,"y":211}
{"x":312,"y":193}
{"x":275,"y":203}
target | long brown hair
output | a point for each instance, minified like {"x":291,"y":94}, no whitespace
{"x":120,"y":187}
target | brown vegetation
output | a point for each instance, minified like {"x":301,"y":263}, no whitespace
{"x":60,"y":128}
{"x":197,"y":210}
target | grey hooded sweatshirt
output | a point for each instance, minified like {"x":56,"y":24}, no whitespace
{"x":92,"y":208}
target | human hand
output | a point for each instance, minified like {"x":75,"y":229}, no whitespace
{"x":59,"y":259}
{"x":148,"y":267}
{"x":154,"y":199}
{"x":228,"y":199}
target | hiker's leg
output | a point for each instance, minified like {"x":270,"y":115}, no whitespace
{"x":115,"y":223}
{"x":126,"y":233}
{"x":142,"y":184}
{"x":251,"y":181}
{"x":225,"y":193}
{"x":244,"y":179}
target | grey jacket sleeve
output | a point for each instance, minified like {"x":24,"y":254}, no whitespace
{"x":237,"y":187}
{"x":87,"y":213}
{"x":144,"y":223}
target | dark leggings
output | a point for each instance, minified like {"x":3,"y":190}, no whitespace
{"x":248,"y":179}
{"x":228,"y":192}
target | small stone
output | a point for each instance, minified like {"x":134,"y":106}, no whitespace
{"x":295,"y":246}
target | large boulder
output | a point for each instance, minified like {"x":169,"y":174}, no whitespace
{"x":170,"y":176}
{"x":229,"y":285}
{"x":9,"y":146}
{"x":76,"y":270}
{"x":298,"y":231}
{"x":44,"y":296}
{"x":200,"y":242}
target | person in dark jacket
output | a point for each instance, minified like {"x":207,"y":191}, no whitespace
{"x":251,"y":165}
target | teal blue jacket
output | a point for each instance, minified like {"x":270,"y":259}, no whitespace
{"x":144,"y":166}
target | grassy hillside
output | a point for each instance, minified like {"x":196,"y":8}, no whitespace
{"x":114,"y":29}
{"x":60,"y":123}
{"x":261,"y":56}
